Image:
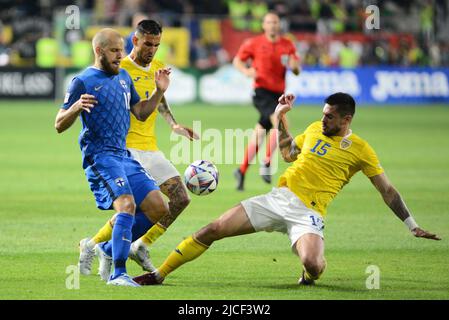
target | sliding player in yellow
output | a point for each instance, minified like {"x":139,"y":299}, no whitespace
{"x":142,"y":143}
{"x":324,"y":157}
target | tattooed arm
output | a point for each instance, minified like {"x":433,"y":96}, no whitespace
{"x":287,"y":146}
{"x":394,"y":200}
{"x":165,"y":111}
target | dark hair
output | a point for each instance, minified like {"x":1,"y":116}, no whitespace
{"x":148,"y":26}
{"x":343,"y":102}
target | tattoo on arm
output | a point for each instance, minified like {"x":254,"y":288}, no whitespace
{"x":294,"y":151}
{"x":283,"y":133}
{"x":398,"y":206}
{"x":287,"y":146}
{"x":165,"y":111}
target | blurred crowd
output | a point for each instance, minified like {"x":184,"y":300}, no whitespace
{"x":411,"y":33}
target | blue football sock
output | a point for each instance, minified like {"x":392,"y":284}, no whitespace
{"x":121,"y":242}
{"x":140,"y":226}
{"x":107,"y":247}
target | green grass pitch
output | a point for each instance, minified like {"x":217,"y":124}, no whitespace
{"x":46,"y":208}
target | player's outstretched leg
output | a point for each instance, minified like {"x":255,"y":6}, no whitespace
{"x":232,"y":223}
{"x":186,"y":251}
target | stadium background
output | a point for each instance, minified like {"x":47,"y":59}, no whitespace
{"x":398,"y":74}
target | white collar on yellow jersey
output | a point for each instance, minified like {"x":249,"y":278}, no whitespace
{"x":147,"y":68}
{"x":345,"y":143}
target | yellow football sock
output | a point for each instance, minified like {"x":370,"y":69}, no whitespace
{"x":151,"y":236}
{"x":104,"y":234}
{"x":186,"y":251}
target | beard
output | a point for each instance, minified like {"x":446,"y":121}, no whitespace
{"x":146,"y":60}
{"x":107,"y":66}
{"x":331,"y":132}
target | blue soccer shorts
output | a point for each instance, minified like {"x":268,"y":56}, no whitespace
{"x":111,"y":176}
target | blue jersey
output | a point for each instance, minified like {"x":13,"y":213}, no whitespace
{"x":104,"y":129}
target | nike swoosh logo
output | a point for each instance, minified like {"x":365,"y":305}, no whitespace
{"x":127,"y":240}
{"x":177,"y":250}
{"x":98,"y":88}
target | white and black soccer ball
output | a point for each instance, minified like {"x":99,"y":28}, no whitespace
{"x":201,"y":177}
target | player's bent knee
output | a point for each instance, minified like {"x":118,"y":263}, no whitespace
{"x":212,"y":232}
{"x":125,"y":204}
{"x":314,"y":265}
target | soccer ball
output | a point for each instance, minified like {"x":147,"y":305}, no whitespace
{"x":201,"y":177}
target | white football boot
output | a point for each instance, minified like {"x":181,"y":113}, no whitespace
{"x":123,"y":280}
{"x":86,"y":257}
{"x":140,"y":254}
{"x":104,"y":269}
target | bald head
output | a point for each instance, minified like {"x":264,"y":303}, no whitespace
{"x":271,"y":15}
{"x":108,"y":49}
{"x":104,"y":37}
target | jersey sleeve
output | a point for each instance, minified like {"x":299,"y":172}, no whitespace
{"x":369,"y":162}
{"x":299,"y":140}
{"x":74,"y":92}
{"x":246,"y":50}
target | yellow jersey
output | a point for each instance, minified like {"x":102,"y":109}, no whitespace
{"x":326,"y":164}
{"x":141,"y":134}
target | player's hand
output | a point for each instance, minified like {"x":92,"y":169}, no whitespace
{"x":184,"y":131}
{"x":251,"y":73}
{"x":162,"y":78}
{"x":288,"y":98}
{"x":86,"y":102}
{"x":285,"y":104}
{"x":420,"y":233}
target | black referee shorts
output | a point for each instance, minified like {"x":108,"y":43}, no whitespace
{"x":265,"y":102}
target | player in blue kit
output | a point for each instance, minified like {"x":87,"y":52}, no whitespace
{"x":103,"y":97}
